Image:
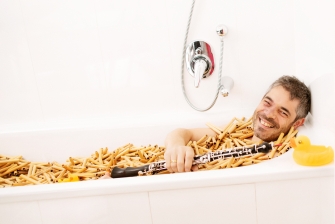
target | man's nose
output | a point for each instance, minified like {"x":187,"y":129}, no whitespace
{"x":270,"y":112}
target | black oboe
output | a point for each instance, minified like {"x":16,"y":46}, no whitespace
{"x":156,"y":167}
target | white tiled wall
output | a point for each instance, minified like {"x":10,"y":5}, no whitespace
{"x":77,"y":62}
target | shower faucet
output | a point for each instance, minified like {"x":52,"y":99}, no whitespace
{"x":199,"y":61}
{"x":200,"y":64}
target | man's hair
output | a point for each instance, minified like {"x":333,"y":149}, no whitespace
{"x":298,"y":90}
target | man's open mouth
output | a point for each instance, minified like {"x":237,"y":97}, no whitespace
{"x":266,"y":124}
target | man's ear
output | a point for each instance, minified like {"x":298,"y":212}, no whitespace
{"x":298,"y":123}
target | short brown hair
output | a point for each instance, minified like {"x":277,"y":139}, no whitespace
{"x":298,"y":90}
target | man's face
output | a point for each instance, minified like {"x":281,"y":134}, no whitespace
{"x":275,"y":114}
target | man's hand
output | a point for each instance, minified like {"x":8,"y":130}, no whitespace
{"x":179,"y":158}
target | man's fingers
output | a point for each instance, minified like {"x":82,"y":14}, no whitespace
{"x":189,"y":159}
{"x":179,"y":159}
{"x":167,"y":158}
{"x":181,"y":162}
{"x":195,"y":168}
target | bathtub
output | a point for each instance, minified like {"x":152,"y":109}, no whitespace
{"x":275,"y":191}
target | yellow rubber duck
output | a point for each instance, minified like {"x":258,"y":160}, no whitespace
{"x":72,"y":178}
{"x":310,"y":155}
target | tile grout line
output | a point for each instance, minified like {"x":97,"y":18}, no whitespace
{"x":152,"y":221}
{"x":256,"y":203}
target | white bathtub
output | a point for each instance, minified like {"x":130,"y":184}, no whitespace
{"x":275,"y":191}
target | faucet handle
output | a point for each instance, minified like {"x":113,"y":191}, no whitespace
{"x":199,"y":60}
{"x":200,"y":67}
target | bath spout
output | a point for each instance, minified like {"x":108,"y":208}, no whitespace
{"x":228,"y":84}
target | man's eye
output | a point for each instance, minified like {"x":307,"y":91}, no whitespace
{"x":284,"y":113}
{"x":266,"y":102}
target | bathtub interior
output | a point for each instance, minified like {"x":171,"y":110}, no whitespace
{"x":57,"y":144}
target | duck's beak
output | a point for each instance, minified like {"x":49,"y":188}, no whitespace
{"x":292,"y":143}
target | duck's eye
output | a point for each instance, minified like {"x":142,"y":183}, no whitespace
{"x":299,"y":141}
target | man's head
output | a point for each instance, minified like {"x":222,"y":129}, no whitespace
{"x":286,"y":104}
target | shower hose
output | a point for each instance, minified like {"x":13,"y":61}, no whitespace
{"x":182,"y":67}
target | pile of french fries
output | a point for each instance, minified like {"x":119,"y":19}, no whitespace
{"x":15,"y":171}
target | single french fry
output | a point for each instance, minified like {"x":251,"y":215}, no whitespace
{"x":222,"y":164}
{"x":9,"y":161}
{"x":5,"y":181}
{"x":8,"y":166}
{"x":95,"y":166}
{"x":247,"y":163}
{"x":71,"y":161}
{"x":228,"y":144}
{"x":246,"y":124}
{"x":152,"y":158}
{"x":31,"y":180}
{"x":42,"y":171}
{"x":105,"y":150}
{"x":224,"y":132}
{"x":246,"y":135}
{"x":265,"y":157}
{"x":213,"y":162}
{"x":215,"y":129}
{"x":91,"y":160}
{"x":85,"y":174}
{"x":202,"y":139}
{"x":284,"y":149}
{"x":230,"y":162}
{"x":198,"y":149}
{"x":287,"y":139}
{"x":232,"y":128}
{"x":241,"y":142}
{"x":279,"y":138}
{"x":101,"y":154}
{"x":195,"y":147}
{"x":144,"y":160}
{"x":290,"y":131}
{"x":67,"y":168}
{"x":54,"y":166}
{"x":47,"y":177}
{"x":236,"y":142}
{"x":257,"y":155}
{"x":34,"y":170}
{"x":234,"y":135}
{"x":13,"y":169}
{"x":238,"y":163}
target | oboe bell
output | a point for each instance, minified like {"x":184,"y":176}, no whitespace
{"x":128,"y":172}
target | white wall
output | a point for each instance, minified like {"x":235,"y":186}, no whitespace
{"x":83,"y":63}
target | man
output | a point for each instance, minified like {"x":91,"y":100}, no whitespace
{"x":286,"y":104}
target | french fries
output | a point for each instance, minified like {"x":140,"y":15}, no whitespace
{"x":15,"y":171}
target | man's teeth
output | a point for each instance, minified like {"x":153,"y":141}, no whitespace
{"x":266,"y":124}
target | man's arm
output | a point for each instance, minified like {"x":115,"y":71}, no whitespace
{"x":178,"y":156}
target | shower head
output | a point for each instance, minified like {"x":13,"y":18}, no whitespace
{"x":221,"y":30}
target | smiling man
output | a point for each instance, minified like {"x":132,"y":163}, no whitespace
{"x":286,"y":104}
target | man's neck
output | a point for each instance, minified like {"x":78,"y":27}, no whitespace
{"x":256,"y":139}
